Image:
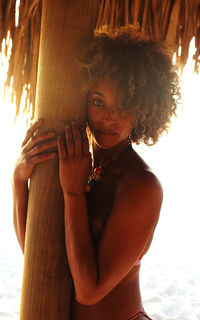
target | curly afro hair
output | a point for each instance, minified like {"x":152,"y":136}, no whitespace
{"x":144,"y":75}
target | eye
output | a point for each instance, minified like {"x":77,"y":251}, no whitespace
{"x":97,"y":102}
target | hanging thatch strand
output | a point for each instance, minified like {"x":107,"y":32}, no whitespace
{"x":176,"y":22}
{"x":25,"y":49}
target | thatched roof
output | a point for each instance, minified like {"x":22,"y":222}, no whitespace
{"x":25,"y":48}
{"x":174,"y":21}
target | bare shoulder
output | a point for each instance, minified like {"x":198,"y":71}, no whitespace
{"x":140,"y":185}
{"x":145,"y":180}
{"x":144,"y":183}
{"x":137,"y":172}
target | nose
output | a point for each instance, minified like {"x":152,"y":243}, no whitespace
{"x":109,"y":115}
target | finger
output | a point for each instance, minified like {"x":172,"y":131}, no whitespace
{"x":42,"y":147}
{"x":37,"y":139}
{"x":77,"y":140}
{"x":69,"y":142}
{"x":30,"y":132}
{"x":85,"y":142}
{"x":61,"y":149}
{"x":40,"y":158}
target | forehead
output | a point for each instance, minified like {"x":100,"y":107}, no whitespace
{"x":105,"y":88}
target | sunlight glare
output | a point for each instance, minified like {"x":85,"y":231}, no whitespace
{"x":17,"y":13}
{"x":11,"y":133}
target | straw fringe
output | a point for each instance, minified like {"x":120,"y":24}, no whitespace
{"x":176,"y":22}
{"x":25,"y":48}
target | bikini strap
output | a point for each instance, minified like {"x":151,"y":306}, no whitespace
{"x":140,"y":314}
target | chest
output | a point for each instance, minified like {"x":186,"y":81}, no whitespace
{"x":100,"y":202}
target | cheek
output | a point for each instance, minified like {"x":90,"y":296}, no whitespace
{"x":121,"y":121}
{"x":93,"y":116}
{"x":126,"y":125}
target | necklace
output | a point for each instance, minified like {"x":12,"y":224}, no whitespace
{"x":97,"y":172}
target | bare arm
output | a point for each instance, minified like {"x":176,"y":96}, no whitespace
{"x":20,"y":200}
{"x":130,"y":225}
{"x":32,"y":150}
{"x":80,"y":249}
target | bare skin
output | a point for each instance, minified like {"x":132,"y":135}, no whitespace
{"x":123,"y":208}
{"x":107,"y":230}
{"x":30,"y":155}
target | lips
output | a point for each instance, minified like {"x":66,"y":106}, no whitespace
{"x":106,"y":133}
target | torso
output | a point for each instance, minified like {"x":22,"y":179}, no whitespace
{"x":124,"y":300}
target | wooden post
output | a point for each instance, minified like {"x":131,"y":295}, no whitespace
{"x":47,"y":285}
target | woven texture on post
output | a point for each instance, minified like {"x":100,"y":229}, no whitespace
{"x":47,"y":285}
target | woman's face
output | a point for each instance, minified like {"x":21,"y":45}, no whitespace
{"x":108,"y":123}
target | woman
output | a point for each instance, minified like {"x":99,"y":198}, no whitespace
{"x":112,"y":198}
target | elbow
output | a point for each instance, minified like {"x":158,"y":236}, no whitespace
{"x":89,"y":299}
{"x":21,"y":240}
{"x":90,"y":294}
{"x":22,"y":247}
{"x":21,"y":244}
{"x":19,"y":235}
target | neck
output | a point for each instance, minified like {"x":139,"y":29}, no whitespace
{"x":102,"y":156}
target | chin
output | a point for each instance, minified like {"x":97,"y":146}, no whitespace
{"x":105,"y":144}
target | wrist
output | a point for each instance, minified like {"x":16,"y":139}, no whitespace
{"x":74,"y":194}
{"x":17,"y":179}
{"x":18,"y":184}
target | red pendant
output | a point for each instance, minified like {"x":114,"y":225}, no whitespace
{"x":98,"y":171}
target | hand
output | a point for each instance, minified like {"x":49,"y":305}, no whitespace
{"x":32,"y":151}
{"x":75,"y":160}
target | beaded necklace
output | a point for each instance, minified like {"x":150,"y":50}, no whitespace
{"x":97,"y":172}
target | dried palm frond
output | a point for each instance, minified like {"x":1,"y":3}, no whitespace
{"x":25,"y":49}
{"x":176,"y":22}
